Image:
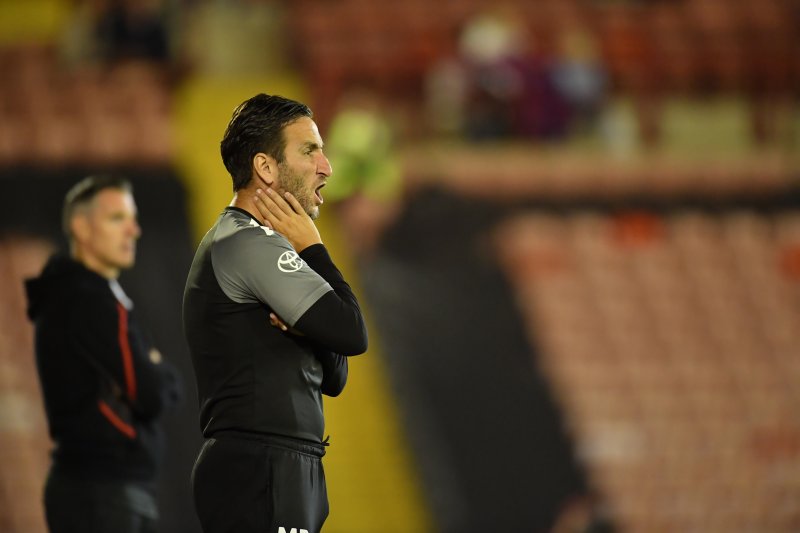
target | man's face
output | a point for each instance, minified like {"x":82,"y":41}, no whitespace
{"x":305,"y":169}
{"x":107,"y":234}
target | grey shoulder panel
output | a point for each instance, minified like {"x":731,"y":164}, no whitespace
{"x":252,"y":264}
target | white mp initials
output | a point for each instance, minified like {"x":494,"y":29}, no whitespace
{"x":282,"y":529}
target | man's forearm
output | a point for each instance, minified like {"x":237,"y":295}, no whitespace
{"x":335,"y":320}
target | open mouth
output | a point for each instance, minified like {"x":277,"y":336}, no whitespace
{"x":318,"y":194}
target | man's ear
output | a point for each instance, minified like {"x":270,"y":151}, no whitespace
{"x":265,"y":167}
{"x":79,"y":226}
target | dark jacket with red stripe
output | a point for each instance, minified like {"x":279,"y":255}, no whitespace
{"x":102,"y":391}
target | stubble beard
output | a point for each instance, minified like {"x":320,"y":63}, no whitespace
{"x":293,"y":183}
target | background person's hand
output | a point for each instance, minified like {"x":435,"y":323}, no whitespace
{"x":284,"y":214}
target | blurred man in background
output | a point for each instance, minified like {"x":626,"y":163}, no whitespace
{"x":104,"y":385}
{"x":362,"y":146}
{"x":261,"y":385}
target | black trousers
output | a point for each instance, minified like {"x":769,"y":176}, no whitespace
{"x":75,"y":504}
{"x":265,"y":484}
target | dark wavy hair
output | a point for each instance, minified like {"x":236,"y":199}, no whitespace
{"x":83,"y":192}
{"x":257,"y":126}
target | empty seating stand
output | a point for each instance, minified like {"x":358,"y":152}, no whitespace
{"x":671,"y":340}
{"x":89,"y":115}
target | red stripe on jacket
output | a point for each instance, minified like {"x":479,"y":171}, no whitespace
{"x":116,"y":421}
{"x":127,"y":356}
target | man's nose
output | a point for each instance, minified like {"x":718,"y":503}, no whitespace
{"x":324,"y":166}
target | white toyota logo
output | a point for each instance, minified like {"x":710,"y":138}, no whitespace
{"x":289,"y":262}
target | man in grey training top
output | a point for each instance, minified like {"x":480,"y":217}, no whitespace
{"x":270,"y":321}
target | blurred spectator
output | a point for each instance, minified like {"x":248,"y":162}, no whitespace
{"x":540,"y":111}
{"x":133,"y":29}
{"x":497,"y":87}
{"x":117,"y":30}
{"x":580,"y":78}
{"x":489,"y":45}
{"x":367,"y":171}
{"x":78,"y":42}
{"x":234,"y":37}
{"x":446,"y":92}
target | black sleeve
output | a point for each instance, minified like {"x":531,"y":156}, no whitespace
{"x":335,"y":320}
{"x":334,"y":367}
